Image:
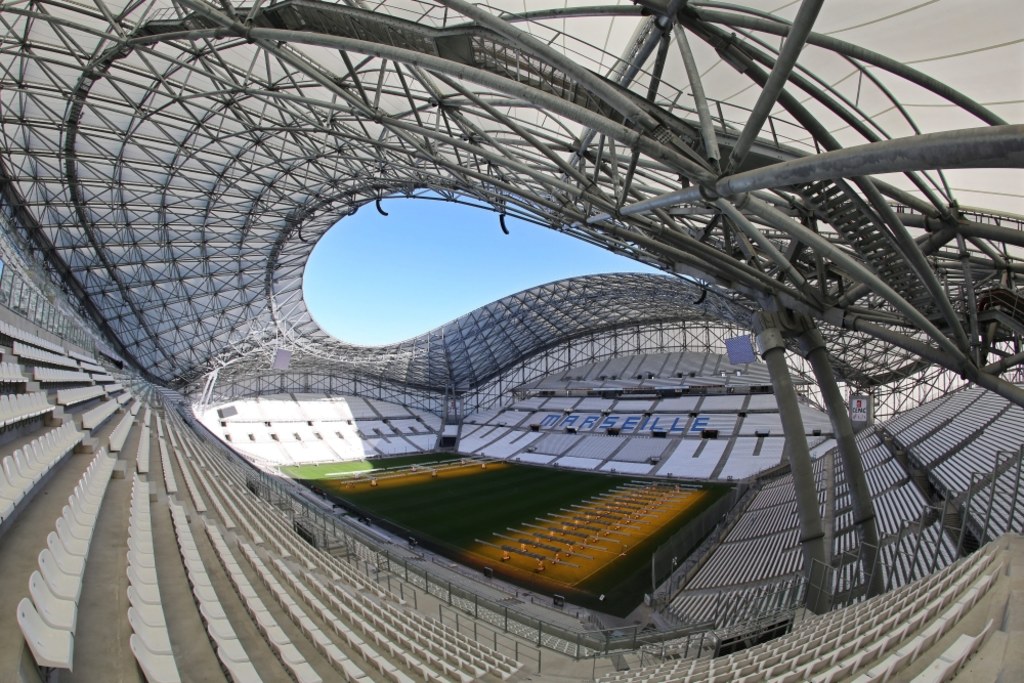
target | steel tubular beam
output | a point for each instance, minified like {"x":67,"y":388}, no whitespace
{"x":992,"y":147}
{"x":794,"y":43}
{"x":526,"y":93}
{"x":528,"y":43}
{"x":737,"y":20}
{"x":755,"y":234}
{"x":707,"y":126}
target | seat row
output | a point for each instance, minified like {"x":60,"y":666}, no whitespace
{"x":32,"y":353}
{"x":120,"y":432}
{"x":97,"y":415}
{"x":16,"y":333}
{"x":48,"y":620}
{"x":17,"y":407}
{"x":442,"y":649}
{"x":45,"y":374}
{"x":190,"y":483}
{"x":26,"y":466}
{"x":11,"y":373}
{"x":150,"y":641}
{"x":70,"y":397}
{"x":232,"y":655}
{"x":272,"y":527}
{"x":887,"y":632}
{"x":945,"y":666}
{"x":275,"y":636}
{"x":142,"y":452}
{"x":170,"y":483}
{"x":339,"y":660}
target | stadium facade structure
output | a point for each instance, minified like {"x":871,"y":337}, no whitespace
{"x":834,"y":182}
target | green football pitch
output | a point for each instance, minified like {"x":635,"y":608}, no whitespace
{"x":451,"y":512}
{"x":331,"y":470}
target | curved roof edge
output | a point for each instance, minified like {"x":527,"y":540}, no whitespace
{"x":470,"y":350}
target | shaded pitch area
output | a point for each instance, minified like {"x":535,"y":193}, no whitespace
{"x":557,"y":532}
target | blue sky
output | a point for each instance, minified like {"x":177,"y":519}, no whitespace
{"x":376,"y":279}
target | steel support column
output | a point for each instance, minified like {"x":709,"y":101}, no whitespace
{"x":812,"y":346}
{"x":812,"y":536}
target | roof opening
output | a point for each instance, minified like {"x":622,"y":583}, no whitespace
{"x":374,"y":279}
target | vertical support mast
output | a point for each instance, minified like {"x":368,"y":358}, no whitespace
{"x":812,"y":345}
{"x":770,"y":340}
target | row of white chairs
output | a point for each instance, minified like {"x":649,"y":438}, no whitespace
{"x":233,"y":517}
{"x":81,"y":356}
{"x":16,"y":333}
{"x":70,"y":397}
{"x":150,"y":641}
{"x":120,"y":432}
{"x":170,"y":483}
{"x":887,"y":632}
{"x":276,"y":638}
{"x":190,"y":483}
{"x":231,"y":489}
{"x":17,"y":407}
{"x":368,"y":625}
{"x":262,"y":524}
{"x":27,"y":465}
{"x":232,"y":655}
{"x":398,"y":631}
{"x":11,"y":373}
{"x":227,"y":518}
{"x":45,"y":374}
{"x":339,"y":660}
{"x":142,"y":452}
{"x":32,"y":353}
{"x":48,"y":620}
{"x":943,"y":668}
{"x":98,"y":414}
{"x":443,"y":649}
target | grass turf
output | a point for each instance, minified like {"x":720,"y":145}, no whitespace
{"x":450,"y":512}
{"x":329,"y":470}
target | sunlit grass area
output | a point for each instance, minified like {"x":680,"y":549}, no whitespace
{"x":332,"y":470}
{"x":477,"y":513}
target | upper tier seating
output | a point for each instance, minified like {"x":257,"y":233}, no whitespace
{"x":282,"y":430}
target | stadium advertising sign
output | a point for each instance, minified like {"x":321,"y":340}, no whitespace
{"x":625,"y":423}
{"x":860,"y":408}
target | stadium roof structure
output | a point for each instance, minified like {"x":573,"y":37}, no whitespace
{"x":174,"y":163}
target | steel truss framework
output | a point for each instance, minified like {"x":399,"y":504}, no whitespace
{"x":175,"y":163}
